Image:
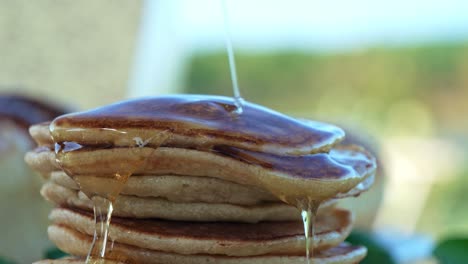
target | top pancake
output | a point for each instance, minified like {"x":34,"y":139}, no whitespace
{"x":199,"y":121}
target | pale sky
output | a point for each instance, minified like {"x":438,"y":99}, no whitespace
{"x":311,"y":24}
{"x":171,"y":30}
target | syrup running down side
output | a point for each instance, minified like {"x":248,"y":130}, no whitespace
{"x":238,"y":100}
{"x":309,"y":214}
{"x":102,"y":193}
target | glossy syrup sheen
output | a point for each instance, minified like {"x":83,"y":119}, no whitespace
{"x":208,"y":117}
{"x":338,"y":164}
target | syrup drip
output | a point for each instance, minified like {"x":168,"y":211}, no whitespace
{"x":101,"y":192}
{"x":309,"y":214}
{"x":102,"y":217}
{"x":238,"y":100}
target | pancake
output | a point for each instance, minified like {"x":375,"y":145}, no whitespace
{"x":146,"y":207}
{"x":179,"y":188}
{"x":195,"y":120}
{"x":42,"y":160}
{"x":174,"y":187}
{"x":323,"y":175}
{"x":214,"y":238}
{"x":78,"y":244}
{"x":72,"y":260}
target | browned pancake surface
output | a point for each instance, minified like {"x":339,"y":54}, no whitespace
{"x":210,"y":118}
{"x":77,"y":243}
{"x":332,"y":220}
{"x":217,"y":238}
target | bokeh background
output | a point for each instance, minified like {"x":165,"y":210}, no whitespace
{"x":395,"y":71}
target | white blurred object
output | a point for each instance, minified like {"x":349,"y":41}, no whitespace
{"x":413,"y":166}
{"x":159,"y":55}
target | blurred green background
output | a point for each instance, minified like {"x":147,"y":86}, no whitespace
{"x":410,"y":97}
{"x":417,"y":92}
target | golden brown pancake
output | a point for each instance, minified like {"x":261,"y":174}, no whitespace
{"x":195,"y":120}
{"x":323,"y":175}
{"x":72,"y":260}
{"x":78,"y":244}
{"x":214,"y":238}
{"x":147,"y":207}
{"x":179,"y":188}
{"x":187,"y":189}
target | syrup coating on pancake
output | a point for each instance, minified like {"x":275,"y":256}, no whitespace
{"x":336,"y":219}
{"x":209,"y":117}
{"x":338,"y":164}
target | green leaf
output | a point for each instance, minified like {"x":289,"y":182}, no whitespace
{"x":54,"y":253}
{"x":375,"y":252}
{"x":6,"y":261}
{"x":452,"y":251}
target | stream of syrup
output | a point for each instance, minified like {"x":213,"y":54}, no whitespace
{"x":238,"y":100}
{"x":308,"y":209}
{"x":104,"y":193}
{"x":309,"y":214}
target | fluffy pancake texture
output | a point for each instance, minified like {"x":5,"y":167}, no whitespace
{"x":214,"y":238}
{"x":325,"y":174}
{"x":77,"y":243}
{"x":146,"y":207}
{"x":179,"y":188}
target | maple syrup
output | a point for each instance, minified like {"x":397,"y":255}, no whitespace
{"x":204,"y":119}
{"x":238,"y":100}
{"x":102,"y":190}
{"x":308,"y":213}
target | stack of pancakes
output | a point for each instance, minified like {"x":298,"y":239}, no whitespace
{"x":206,"y":185}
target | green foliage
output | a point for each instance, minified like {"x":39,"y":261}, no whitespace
{"x":452,"y":251}
{"x":6,"y":261}
{"x":447,"y":209}
{"x":54,"y":253}
{"x":364,"y":85}
{"x":375,"y":253}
